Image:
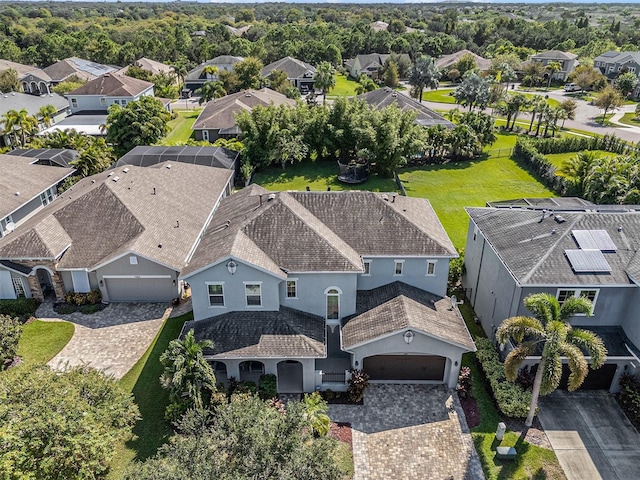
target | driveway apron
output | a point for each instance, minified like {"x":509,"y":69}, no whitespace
{"x":406,"y":432}
{"x":591,"y":436}
{"x":111,"y":340}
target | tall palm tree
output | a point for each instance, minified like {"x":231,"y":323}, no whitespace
{"x":424,"y":74}
{"x":211,"y":71}
{"x":536,"y":105}
{"x":550,"y":329}
{"x":47,"y":113}
{"x":325,"y":79}
{"x":19,"y":121}
{"x":211,"y":90}
{"x":552,"y":68}
{"x":180,"y":70}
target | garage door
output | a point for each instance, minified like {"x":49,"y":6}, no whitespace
{"x":405,"y":367}
{"x":599,"y":379}
{"x":141,"y":289}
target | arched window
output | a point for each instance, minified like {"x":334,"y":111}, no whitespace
{"x":333,"y":304}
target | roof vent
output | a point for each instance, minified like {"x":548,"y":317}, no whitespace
{"x":115,"y":179}
{"x":17,"y":194}
{"x":126,"y":170}
{"x":272,"y":196}
{"x":168,"y":165}
{"x":385,"y":197}
{"x":559,"y":219}
{"x":93,"y":181}
{"x":620,"y":228}
{"x":110,"y":174}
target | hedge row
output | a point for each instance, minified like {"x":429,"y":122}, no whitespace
{"x":511,"y":398}
{"x":609,"y":143}
{"x":526,"y":151}
{"x":22,"y":307}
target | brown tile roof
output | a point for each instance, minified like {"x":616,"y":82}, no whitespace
{"x":286,"y":333}
{"x":23,"y":175}
{"x":449,"y":60}
{"x":397,"y":306}
{"x":113,"y":85}
{"x":20,"y":68}
{"x":105,"y":218}
{"x":79,"y":67}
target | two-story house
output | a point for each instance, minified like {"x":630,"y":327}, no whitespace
{"x":76,"y":68}
{"x":614,"y":63}
{"x":299,"y":73}
{"x":565,"y":247}
{"x":306,"y":285}
{"x":568,"y":62}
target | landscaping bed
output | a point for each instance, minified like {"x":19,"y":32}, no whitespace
{"x":341,"y":431}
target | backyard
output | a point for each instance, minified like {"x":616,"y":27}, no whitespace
{"x":559,"y":159}
{"x":180,"y":127}
{"x":344,"y":87}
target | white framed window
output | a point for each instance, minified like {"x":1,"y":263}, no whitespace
{"x":333,"y":303}
{"x":589,"y":293}
{"x":18,"y":286}
{"x":133,"y":260}
{"x":292,"y":288}
{"x":431,"y":268}
{"x":74,"y":102}
{"x":46,"y":197}
{"x":9,"y":219}
{"x":399,"y":266}
{"x":632,"y":69}
{"x":253,"y":294}
{"x":103,"y":101}
{"x":367,"y":267}
{"x":216,"y":294}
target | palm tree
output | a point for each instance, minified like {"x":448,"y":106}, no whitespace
{"x":211,"y":90}
{"x":552,"y":68}
{"x":536,"y":104}
{"x":316,"y":413}
{"x":211,"y":71}
{"x":47,"y":113}
{"x":187,"y":375}
{"x":180,"y":71}
{"x":424,"y":74}
{"x":325,"y":79}
{"x":19,"y":121}
{"x":549,"y":328}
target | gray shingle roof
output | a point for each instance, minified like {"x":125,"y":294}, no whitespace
{"x":385,"y":97}
{"x":113,"y":85}
{"x":318,"y":231}
{"x":447,"y":61}
{"x":533,"y":249}
{"x":293,"y":67}
{"x":79,"y":67}
{"x":196,"y":73}
{"x":144,"y":156}
{"x":32,"y":103}
{"x":286,"y":333}
{"x":396,"y":306}
{"x":20,"y":68}
{"x":555,"y":55}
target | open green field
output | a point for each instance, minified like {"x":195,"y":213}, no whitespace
{"x":41,"y":341}
{"x":180,"y":127}
{"x":630,"y":119}
{"x":559,"y":159}
{"x":445,"y":95}
{"x":344,"y":87}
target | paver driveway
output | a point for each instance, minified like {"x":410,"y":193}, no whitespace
{"x":591,"y":436}
{"x":410,"y":432}
{"x":111,"y":340}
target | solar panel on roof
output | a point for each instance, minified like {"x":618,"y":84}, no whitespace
{"x":594,"y":240}
{"x":587,"y":261}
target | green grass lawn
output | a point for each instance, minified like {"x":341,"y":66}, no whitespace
{"x":181,"y":127}
{"x":443,"y":95}
{"x":41,"y":341}
{"x":344,"y":87}
{"x":630,"y":119}
{"x":559,"y":159}
{"x":318,"y":176}
{"x":143,"y":381}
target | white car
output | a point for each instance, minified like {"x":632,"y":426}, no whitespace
{"x":571,"y":87}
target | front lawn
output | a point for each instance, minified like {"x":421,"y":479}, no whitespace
{"x":180,"y":127}
{"x":345,"y":86}
{"x":317,"y":176}
{"x":443,"y":95}
{"x":41,"y":341}
{"x":630,"y":119}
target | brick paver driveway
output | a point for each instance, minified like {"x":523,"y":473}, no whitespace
{"x":406,"y":432}
{"x":111,"y":340}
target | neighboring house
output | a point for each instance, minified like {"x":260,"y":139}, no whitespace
{"x":307,"y":285}
{"x":385,"y":97}
{"x":34,"y":80}
{"x":145,"y":156}
{"x":153,"y":66}
{"x":568,"y":62}
{"x":198,"y":77}
{"x":565,"y":247}
{"x":369,"y":64}
{"x":612,"y":64}
{"x":99,"y":94}
{"x":217,"y":120}
{"x":299,"y":73}
{"x":76,"y":67}
{"x":448,"y":61}
{"x":127,"y":232}
{"x":379,"y":26}
{"x":239,"y":31}
{"x":26,"y":185}
{"x":32,"y":104}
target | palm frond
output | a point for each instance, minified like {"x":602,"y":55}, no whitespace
{"x":544,"y":306}
{"x":590,"y":342}
{"x":577,"y":365}
{"x":573,"y":305}
{"x":514,"y":359}
{"x":518,"y":328}
{"x":551,"y":374}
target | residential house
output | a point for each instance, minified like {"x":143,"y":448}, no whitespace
{"x":26,"y":185}
{"x":127,"y":232}
{"x":238,"y":31}
{"x":379,"y":26}
{"x":217,"y":120}
{"x":74,"y":67}
{"x":448,"y":61}
{"x":306,"y":285}
{"x":299,"y":73}
{"x":369,"y":64}
{"x":568,"y":62}
{"x":612,"y":64}
{"x":32,"y":104}
{"x":564,"y":247}
{"x":33,"y":79}
{"x":385,"y":97}
{"x":99,"y":94}
{"x":198,"y":77}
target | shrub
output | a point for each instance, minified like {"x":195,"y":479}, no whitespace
{"x":94,"y":297}
{"x":21,"y":307}
{"x":80,"y":299}
{"x":464,"y":383}
{"x":69,"y":296}
{"x":89,"y":309}
{"x":525,"y":378}
{"x":268,"y":386}
{"x":247,"y":386}
{"x":10,"y":331}
{"x":358,"y":383}
{"x":511,"y":398}
{"x":629,"y":397}
{"x":65,"y":308}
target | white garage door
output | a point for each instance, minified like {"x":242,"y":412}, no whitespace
{"x":141,"y":289}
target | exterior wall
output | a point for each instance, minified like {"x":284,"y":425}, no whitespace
{"x":234,"y":293}
{"x":213,"y":135}
{"x":630,"y":320}
{"x":93,"y":102}
{"x":7,"y":290}
{"x":311,"y":296}
{"x":421,"y":345}
{"x":414,"y":273}
{"x":122,"y":266}
{"x":271,"y":367}
{"x":27,"y":209}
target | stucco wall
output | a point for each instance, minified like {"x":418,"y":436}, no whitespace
{"x":31,"y":206}
{"x":92,"y":102}
{"x":414,"y":273}
{"x":311,"y":292}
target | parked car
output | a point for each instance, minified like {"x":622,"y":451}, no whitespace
{"x":571,"y":87}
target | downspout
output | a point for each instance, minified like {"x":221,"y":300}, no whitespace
{"x":475,"y":293}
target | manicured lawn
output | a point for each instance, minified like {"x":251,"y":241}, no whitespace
{"x":344,"y":87}
{"x":318,"y":176}
{"x":559,"y":159}
{"x":630,"y":119}
{"x":143,"y":380}
{"x":181,"y":127}
{"x":444,"y":95}
{"x":41,"y":341}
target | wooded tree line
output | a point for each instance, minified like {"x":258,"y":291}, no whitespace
{"x":120,"y":33}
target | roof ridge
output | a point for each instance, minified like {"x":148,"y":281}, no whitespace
{"x":303,"y":335}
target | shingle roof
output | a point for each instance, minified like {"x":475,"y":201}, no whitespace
{"x":447,"y":61}
{"x":85,"y":69}
{"x":618,"y":57}
{"x":20,"y":68}
{"x":144,"y":156}
{"x":318,"y":231}
{"x":32,"y":103}
{"x":113,"y":85}
{"x":286,"y":333}
{"x":153,"y":66}
{"x":143,"y":211}
{"x":533,"y":248}
{"x":293,"y":67}
{"x":16,"y":267}
{"x":220,"y":113}
{"x":385,"y":97}
{"x":555,"y":55}
{"x":24,"y":175}
{"x":396,"y":306}
{"x":196,"y":73}
{"x":58,"y":156}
